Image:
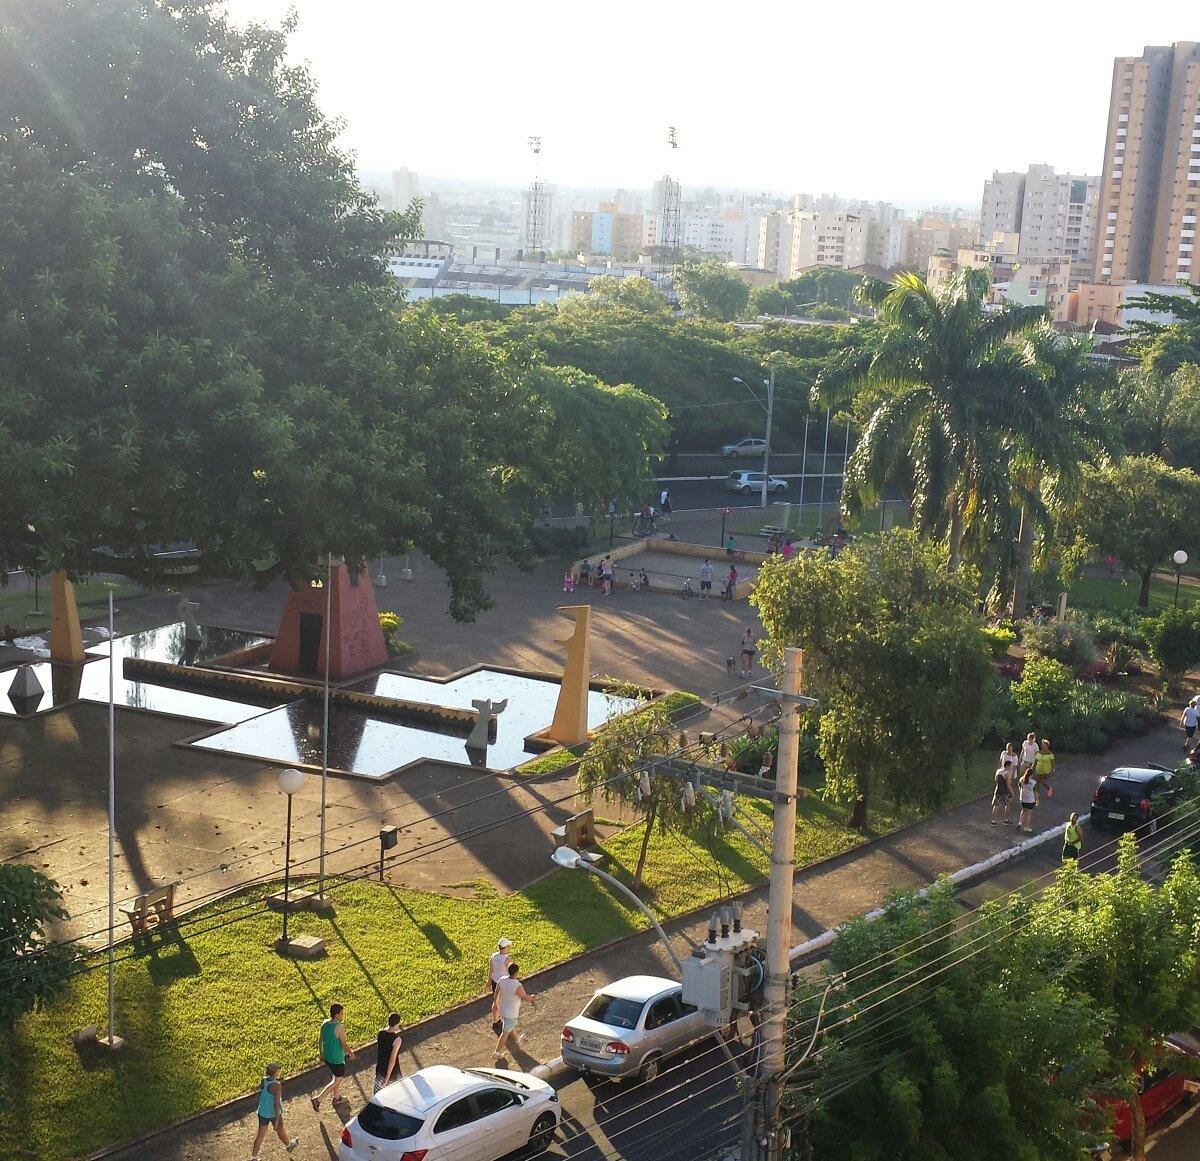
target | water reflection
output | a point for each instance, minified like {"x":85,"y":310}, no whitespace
{"x":373,"y":747}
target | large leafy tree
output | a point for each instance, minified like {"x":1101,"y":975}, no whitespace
{"x":1164,"y":347}
{"x":940,"y":1043}
{"x":1141,"y":511}
{"x":894,"y":652}
{"x":33,"y":968}
{"x":952,"y":387}
{"x":1134,"y":954}
{"x":198,"y":332}
{"x":712,"y":290}
{"x":1155,"y":415}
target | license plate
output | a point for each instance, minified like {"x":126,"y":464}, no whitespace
{"x":592,"y":1044}
{"x":1114,"y":814}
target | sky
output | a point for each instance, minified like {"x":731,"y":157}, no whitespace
{"x":911,"y":102}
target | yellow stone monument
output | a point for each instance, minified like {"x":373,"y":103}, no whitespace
{"x":66,"y":638}
{"x":569,"y":726}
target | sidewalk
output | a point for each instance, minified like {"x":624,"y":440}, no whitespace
{"x":826,"y":895}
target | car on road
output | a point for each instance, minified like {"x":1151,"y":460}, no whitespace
{"x":630,"y":1027}
{"x":1160,"y":1089}
{"x":749,"y":482}
{"x":443,"y":1113}
{"x":1134,"y":796}
{"x":744,"y":447}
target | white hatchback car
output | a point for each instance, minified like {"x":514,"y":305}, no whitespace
{"x":442,"y":1113}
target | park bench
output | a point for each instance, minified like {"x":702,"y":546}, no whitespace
{"x":769,"y":530}
{"x":151,"y":909}
{"x":579,"y":833}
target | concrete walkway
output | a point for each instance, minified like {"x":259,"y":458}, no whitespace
{"x":826,"y":895}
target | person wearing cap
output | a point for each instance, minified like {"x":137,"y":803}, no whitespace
{"x":498,"y":964}
{"x":270,"y":1112}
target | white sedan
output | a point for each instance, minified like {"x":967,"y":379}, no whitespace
{"x":442,"y":1113}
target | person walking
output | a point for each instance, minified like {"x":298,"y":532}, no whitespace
{"x":1072,"y":839}
{"x":729,"y":547}
{"x":606,"y":576}
{"x":387,"y":1052}
{"x":1027,"y":792}
{"x":498,"y":963}
{"x":706,"y":579}
{"x":748,"y":650}
{"x":731,"y":581}
{"x":1189,"y":720}
{"x":1010,"y":759}
{"x":334,"y":1051}
{"x":1029,"y":751}
{"x":270,"y":1112}
{"x":664,"y":505}
{"x":1043,"y":768}
{"x":1002,"y":794}
{"x":506,"y":1006}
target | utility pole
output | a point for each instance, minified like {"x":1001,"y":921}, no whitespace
{"x":770,"y":1081}
{"x":767,"y":448}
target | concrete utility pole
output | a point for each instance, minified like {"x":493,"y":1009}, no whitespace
{"x":779,"y":914}
{"x":767,"y":448}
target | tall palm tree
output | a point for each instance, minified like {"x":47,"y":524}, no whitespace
{"x":952,"y":387}
{"x":1046,"y":462}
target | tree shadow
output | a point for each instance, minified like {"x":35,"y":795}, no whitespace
{"x":434,"y":934}
{"x":385,"y":1003}
{"x":177,"y":962}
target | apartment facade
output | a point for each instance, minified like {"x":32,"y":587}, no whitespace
{"x":605,"y":231}
{"x":1003,"y":200}
{"x":828,"y":239}
{"x":775,"y":244}
{"x":1150,"y":185}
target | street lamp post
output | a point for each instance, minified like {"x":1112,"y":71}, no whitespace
{"x":290,"y":781}
{"x":1180,"y":558}
{"x":724,"y":513}
{"x":770,"y":410}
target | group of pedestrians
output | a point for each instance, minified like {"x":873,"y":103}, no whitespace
{"x":1026,"y":775}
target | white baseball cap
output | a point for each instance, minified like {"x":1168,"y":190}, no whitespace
{"x":505,"y":943}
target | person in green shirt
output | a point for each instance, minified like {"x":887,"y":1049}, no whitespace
{"x":270,"y":1112}
{"x":1043,"y":767}
{"x":334,"y":1052}
{"x":1072,"y":839}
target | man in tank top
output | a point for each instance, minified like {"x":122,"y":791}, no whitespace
{"x":270,"y":1112}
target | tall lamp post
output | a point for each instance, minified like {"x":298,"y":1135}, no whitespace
{"x":1180,"y":558}
{"x":290,"y":781}
{"x":769,"y":408}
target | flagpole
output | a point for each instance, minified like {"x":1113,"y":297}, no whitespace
{"x":112,"y":826}
{"x":325,"y":724}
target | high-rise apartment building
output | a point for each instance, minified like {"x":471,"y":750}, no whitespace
{"x":404,"y":188}
{"x":775,"y":243}
{"x":1150,"y":186}
{"x":828,"y":239}
{"x":1003,"y":199}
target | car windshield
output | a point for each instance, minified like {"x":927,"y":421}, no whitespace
{"x":611,"y":1010}
{"x":387,"y":1124}
{"x":1125,"y":785}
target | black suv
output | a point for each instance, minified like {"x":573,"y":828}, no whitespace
{"x":1134,"y":796}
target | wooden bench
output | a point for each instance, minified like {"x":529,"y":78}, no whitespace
{"x":768,"y":530}
{"x":152,"y":909}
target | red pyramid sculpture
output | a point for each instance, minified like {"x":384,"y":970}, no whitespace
{"x":356,"y":643}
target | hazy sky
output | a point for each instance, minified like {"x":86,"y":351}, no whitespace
{"x":910,"y":101}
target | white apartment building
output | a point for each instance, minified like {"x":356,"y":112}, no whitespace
{"x":404,"y":188}
{"x":1003,"y":199}
{"x":828,"y":239}
{"x":775,"y":243}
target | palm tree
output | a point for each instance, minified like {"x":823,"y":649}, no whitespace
{"x":953,"y":386}
{"x":1045,"y":465}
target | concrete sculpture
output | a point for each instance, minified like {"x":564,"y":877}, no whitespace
{"x":570,"y":724}
{"x":485,"y":708}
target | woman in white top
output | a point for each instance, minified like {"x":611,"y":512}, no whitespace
{"x":1029,"y":752}
{"x":1027,"y":792}
{"x":506,"y":1005}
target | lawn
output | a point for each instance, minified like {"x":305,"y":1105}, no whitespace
{"x":1113,"y":593}
{"x":805,"y":524}
{"x":17,"y":605}
{"x":203,"y":1012}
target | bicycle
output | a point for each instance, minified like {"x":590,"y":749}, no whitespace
{"x":687,"y":592}
{"x":644,"y":526}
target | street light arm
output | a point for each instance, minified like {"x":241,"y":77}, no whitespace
{"x":617,"y":885}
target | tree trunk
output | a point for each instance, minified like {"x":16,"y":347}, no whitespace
{"x":956,"y":533}
{"x":858,"y":816}
{"x":1137,"y":1129}
{"x":1144,"y":591}
{"x":1024,"y":557}
{"x":641,"y":863}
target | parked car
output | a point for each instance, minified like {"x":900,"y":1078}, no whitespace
{"x":744,"y":447}
{"x":1159,"y":1091}
{"x":442,"y":1113}
{"x":1134,"y":796}
{"x":630,"y":1027}
{"x":750,"y":482}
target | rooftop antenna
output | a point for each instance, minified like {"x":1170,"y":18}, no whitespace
{"x":671,"y":239}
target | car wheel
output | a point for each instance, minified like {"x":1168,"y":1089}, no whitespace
{"x":746,"y":489}
{"x":541,"y":1136}
{"x":650,"y":1069}
{"x":780,"y":489}
{"x":732,"y":455}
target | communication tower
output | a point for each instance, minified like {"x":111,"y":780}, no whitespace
{"x":534,"y":235}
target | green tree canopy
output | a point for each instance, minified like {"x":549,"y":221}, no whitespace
{"x":1164,"y":347}
{"x":712,"y":290}
{"x":894,"y":652}
{"x":945,"y":1044}
{"x":1141,"y":511}
{"x":637,"y":293}
{"x":198,"y":331}
{"x":1155,"y":415}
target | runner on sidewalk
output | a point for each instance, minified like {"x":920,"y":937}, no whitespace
{"x":1029,"y":751}
{"x":334,"y":1052}
{"x":1027,"y":791}
{"x":1189,"y":721}
{"x":1072,"y":839}
{"x":270,"y":1112}
{"x":1002,"y":795}
{"x":1043,"y":768}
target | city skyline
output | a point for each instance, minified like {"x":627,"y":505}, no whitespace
{"x":908,"y":105}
